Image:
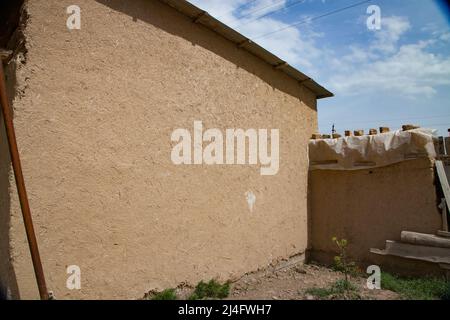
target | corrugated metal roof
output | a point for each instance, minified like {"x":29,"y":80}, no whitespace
{"x":202,"y":17}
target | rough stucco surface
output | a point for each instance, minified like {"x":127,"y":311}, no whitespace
{"x":94,"y":114}
{"x":368,"y":207}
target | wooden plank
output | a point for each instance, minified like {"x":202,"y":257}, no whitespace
{"x":425,"y":239}
{"x":444,"y":181}
{"x":414,"y":252}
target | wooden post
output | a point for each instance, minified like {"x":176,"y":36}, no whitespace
{"x":443,"y":208}
{"x":447,"y":145}
{"x":20,"y":183}
{"x":440,"y":147}
{"x":446,"y":189}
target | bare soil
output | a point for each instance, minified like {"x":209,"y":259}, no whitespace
{"x":293,"y":282}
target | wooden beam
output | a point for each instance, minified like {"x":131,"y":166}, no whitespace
{"x":424,"y":239}
{"x":243,"y":43}
{"x":201,"y":15}
{"x":414,"y":252}
{"x":281,"y":65}
{"x":445,"y":234}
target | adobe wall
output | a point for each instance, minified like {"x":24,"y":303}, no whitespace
{"x":94,"y":113}
{"x":368,"y":207}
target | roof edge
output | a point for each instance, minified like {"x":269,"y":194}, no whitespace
{"x":202,"y":17}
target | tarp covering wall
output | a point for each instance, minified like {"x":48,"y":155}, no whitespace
{"x":353,"y":153}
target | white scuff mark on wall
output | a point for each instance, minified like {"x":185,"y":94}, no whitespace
{"x":251,"y":199}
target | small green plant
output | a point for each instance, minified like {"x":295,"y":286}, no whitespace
{"x":341,"y":289}
{"x":341,"y":263}
{"x":416,"y":288}
{"x":211,"y":289}
{"x":167,"y":294}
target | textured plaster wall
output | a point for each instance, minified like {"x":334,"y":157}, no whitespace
{"x":94,"y":113}
{"x":368,"y":207}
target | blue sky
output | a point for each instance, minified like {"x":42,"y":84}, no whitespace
{"x":396,"y":75}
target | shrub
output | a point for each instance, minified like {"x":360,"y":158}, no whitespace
{"x":211,"y":289}
{"x":167,"y":294}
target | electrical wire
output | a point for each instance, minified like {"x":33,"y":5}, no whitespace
{"x":311,"y":19}
{"x":292,"y":4}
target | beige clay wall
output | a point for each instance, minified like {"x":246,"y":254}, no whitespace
{"x":94,"y":112}
{"x":368,"y":207}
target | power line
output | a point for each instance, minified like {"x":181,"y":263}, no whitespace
{"x":240,"y":7}
{"x":292,"y":4}
{"x":312,"y":19}
{"x":262,"y":8}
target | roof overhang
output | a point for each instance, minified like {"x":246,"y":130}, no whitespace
{"x":202,"y":17}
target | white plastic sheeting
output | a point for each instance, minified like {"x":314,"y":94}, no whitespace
{"x":353,"y":153}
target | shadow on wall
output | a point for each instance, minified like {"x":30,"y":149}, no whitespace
{"x":163,"y":17}
{"x":8,"y":282}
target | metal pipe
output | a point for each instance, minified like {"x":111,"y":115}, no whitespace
{"x":20,"y":183}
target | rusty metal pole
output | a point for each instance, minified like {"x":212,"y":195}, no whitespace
{"x":20,"y":183}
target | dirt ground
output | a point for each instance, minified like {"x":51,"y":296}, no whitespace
{"x":291,"y":284}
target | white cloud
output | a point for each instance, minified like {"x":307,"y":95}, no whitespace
{"x":411,"y":71}
{"x":298,"y":49}
{"x":392,"y":28}
{"x":386,"y":65}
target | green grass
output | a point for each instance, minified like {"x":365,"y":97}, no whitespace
{"x":167,"y":294}
{"x":340,"y":289}
{"x":211,"y":289}
{"x":416,"y":288}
